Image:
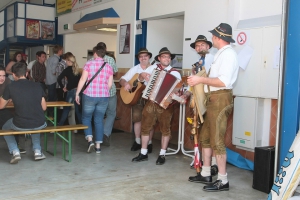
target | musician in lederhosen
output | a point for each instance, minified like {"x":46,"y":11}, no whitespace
{"x":223,"y":73}
{"x":152,"y":112}
{"x":202,"y":46}
{"x":144,"y":57}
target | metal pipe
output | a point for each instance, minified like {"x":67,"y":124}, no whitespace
{"x":279,"y":103}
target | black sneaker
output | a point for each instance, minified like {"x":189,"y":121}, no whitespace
{"x":214,"y":170}
{"x":160,"y":160}
{"x":90,"y":146}
{"x":140,"y":157}
{"x":217,"y":186}
{"x":106,"y":140}
{"x":200,"y":179}
{"x":98,"y":150}
{"x":135,"y":146}
{"x":149,"y":148}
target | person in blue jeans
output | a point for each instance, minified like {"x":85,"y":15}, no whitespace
{"x":29,"y":103}
{"x":73,"y":76}
{"x":95,"y":97}
{"x":111,"y":110}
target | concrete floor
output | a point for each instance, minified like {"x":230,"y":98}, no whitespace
{"x":111,"y":175}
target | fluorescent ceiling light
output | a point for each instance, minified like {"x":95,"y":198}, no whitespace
{"x":107,"y":29}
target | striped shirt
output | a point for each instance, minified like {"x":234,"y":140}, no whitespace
{"x":99,"y":86}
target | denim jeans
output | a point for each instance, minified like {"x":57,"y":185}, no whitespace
{"x":110,"y":115}
{"x":71,"y":99}
{"x":94,"y":107}
{"x":11,"y":141}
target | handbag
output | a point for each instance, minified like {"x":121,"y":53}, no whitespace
{"x":87,"y":83}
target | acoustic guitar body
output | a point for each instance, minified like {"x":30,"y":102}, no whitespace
{"x":132,"y":97}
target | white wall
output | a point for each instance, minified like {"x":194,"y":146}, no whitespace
{"x":200,"y":16}
{"x":165,"y":33}
{"x":256,"y":8}
{"x":125,"y":9}
{"x":153,"y":9}
{"x":80,"y":43}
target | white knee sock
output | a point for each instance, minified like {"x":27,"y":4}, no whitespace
{"x":144,"y":151}
{"x":205,"y":171}
{"x":138,"y":140}
{"x":162,"y":152}
{"x":223,"y":178}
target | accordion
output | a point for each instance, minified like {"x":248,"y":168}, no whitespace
{"x":161,"y":87}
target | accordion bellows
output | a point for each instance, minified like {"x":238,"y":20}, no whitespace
{"x":160,"y":87}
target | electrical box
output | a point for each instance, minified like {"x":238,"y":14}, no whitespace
{"x":251,"y":122}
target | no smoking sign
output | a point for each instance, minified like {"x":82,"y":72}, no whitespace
{"x":241,"y":38}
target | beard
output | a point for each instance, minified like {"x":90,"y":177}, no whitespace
{"x":203,"y":52}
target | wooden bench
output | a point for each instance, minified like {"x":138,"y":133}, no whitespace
{"x":59,"y":131}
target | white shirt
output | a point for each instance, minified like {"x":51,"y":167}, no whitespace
{"x":225,"y":67}
{"x":209,"y":58}
{"x":132,"y":71}
{"x":150,"y":69}
{"x":29,"y":66}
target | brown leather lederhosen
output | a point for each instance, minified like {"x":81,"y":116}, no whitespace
{"x":219,"y":106}
{"x":152,"y":112}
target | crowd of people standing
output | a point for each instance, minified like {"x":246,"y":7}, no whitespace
{"x":58,"y":78}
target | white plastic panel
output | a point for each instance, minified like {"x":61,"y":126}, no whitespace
{"x":21,"y":10}
{"x":20,"y":27}
{"x":1,"y":33}
{"x":1,"y":17}
{"x":40,"y":12}
{"x":244,"y":122}
{"x":10,"y":28}
{"x":10,"y":12}
{"x":260,"y":78}
{"x":248,"y":81}
{"x":270,"y":71}
{"x":251,"y":122}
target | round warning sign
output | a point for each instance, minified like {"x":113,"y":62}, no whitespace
{"x":241,"y":38}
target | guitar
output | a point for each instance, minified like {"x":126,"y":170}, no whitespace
{"x":131,"y":97}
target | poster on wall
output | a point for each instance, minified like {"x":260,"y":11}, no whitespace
{"x":47,"y":30}
{"x":124,"y":43}
{"x":63,"y":6}
{"x":32,"y":29}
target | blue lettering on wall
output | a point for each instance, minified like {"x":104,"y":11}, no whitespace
{"x":281,"y":174}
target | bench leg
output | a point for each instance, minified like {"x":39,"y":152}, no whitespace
{"x":70,"y":145}
{"x":64,"y":146}
{"x":69,"y":142}
{"x":45,"y":142}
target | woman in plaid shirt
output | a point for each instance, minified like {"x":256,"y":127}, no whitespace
{"x":95,"y":97}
